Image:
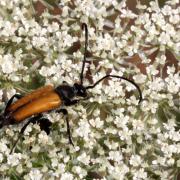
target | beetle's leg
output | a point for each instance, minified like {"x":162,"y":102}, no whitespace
{"x":65,"y":113}
{"x":20,"y":134}
{"x":69,"y":102}
{"x":64,"y":82}
{"x":18,"y":96}
{"x":44,"y":124}
{"x":33,"y":120}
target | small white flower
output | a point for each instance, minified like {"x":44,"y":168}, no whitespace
{"x":157,"y":84}
{"x":54,"y":162}
{"x":67,"y":176}
{"x":125,"y":134}
{"x":164,"y":38}
{"x":35,"y":149}
{"x":152,"y":70}
{"x":118,"y":172}
{"x":7,"y":64}
{"x":43,"y":137}
{"x":61,"y":168}
{"x":3,"y":3}
{"x":140,"y":79}
{"x":121,"y":121}
{"x":135,"y":160}
{"x":128,"y":14}
{"x":96,"y":122}
{"x":9,"y":132}
{"x":84,"y":158}
{"x":29,"y":164}
{"x":3,"y":147}
{"x":35,"y":174}
{"x":111,"y":145}
{"x":14,"y":77}
{"x":28,"y":130}
{"x":160,"y":161}
{"x":14,"y":159}
{"x":153,"y":121}
{"x":170,"y":161}
{"x":66,"y":159}
{"x":115,"y":156}
{"x":1,"y":157}
{"x":174,"y":19}
{"x":170,"y":70}
{"x":84,"y":129}
{"x":140,"y":174}
{"x":65,"y":11}
{"x":79,"y":171}
{"x":19,"y":169}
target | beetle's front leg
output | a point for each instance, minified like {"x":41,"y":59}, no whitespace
{"x":65,"y":113}
{"x":69,"y":102}
{"x":18,"y":96}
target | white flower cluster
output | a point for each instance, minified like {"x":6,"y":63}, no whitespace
{"x":114,"y":136}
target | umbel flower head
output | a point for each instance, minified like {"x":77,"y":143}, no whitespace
{"x":41,"y":42}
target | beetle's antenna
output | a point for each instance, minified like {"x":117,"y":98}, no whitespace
{"x":120,"y":77}
{"x":84,"y":27}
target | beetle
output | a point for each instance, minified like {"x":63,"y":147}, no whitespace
{"x":48,"y":98}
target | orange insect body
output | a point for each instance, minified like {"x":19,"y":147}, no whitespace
{"x":42,"y":100}
{"x":30,"y":97}
{"x":42,"y":104}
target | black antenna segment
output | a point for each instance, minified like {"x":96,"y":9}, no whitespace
{"x":84,"y":27}
{"x":120,"y":77}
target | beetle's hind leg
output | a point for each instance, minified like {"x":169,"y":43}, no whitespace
{"x":65,"y":113}
{"x":21,"y":133}
{"x":44,"y":124}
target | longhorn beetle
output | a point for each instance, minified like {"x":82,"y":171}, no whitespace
{"x":48,"y":98}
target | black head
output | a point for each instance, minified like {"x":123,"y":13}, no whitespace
{"x":80,"y":90}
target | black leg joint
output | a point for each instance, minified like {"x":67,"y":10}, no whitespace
{"x":44,"y":123}
{"x":70,"y":103}
{"x":64,"y":111}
